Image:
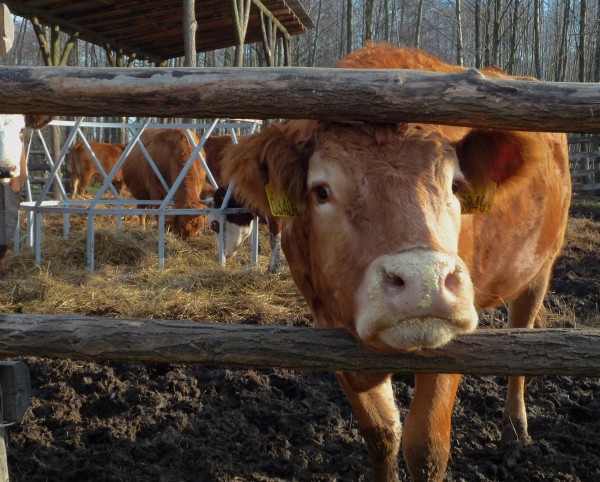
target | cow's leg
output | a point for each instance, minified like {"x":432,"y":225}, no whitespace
{"x":372,"y":400}
{"x":275,"y":260}
{"x":74,"y":186}
{"x":426,"y":435}
{"x":142,"y":218}
{"x":523,"y":313}
{"x":85,"y":182}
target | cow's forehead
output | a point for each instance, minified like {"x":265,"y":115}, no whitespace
{"x":376,"y":149}
{"x":12,"y":121}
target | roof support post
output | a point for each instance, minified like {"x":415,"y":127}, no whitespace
{"x":241,"y":15}
{"x":190,"y":25}
{"x":269,"y":38}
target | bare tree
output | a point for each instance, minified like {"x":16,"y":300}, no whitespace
{"x":581,"y":48}
{"x":459,"y":38}
{"x":350,"y":26}
{"x":368,"y":20}
{"x":536,"y":39}
{"x":417,"y":42}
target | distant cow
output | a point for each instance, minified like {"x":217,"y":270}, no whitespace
{"x":169,"y":149}
{"x":379,"y":245}
{"x":238,"y":225}
{"x":13,"y":164}
{"x":82,"y":168}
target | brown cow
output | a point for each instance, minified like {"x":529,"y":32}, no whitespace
{"x":238,"y":226}
{"x":82,"y":168}
{"x":170,"y":149}
{"x":13,"y":164}
{"x":379,"y":245}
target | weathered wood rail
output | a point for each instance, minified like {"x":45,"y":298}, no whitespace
{"x":465,"y":98}
{"x":491,"y":352}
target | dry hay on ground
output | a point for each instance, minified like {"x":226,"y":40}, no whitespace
{"x":128,"y":284}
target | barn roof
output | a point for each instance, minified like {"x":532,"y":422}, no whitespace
{"x":153,"y":29}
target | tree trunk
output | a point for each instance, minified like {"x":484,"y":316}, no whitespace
{"x":417,"y":43}
{"x":459,"y":38}
{"x":561,"y":61}
{"x":369,"y":4}
{"x":510,"y":66}
{"x":350,"y":26}
{"x":313,"y":56}
{"x":581,"y":47}
{"x":597,"y":49}
{"x":537,"y":29}
{"x":496,"y":32}
{"x":478,"y":34}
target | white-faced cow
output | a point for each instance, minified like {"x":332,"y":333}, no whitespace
{"x":170,"y":150}
{"x":238,"y":226}
{"x":82,"y":168}
{"x":379,"y":245}
{"x":13,"y":167}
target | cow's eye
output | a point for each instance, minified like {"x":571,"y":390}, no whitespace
{"x":321,"y":194}
{"x":456,"y":186}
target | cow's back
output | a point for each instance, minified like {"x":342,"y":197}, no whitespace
{"x":505,"y":249}
{"x":170,"y":149}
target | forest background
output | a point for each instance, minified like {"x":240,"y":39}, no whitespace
{"x":552,"y":40}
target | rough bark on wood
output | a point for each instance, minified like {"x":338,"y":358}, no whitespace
{"x":466,"y":98}
{"x":491,"y":352}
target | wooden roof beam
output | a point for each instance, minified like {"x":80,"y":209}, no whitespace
{"x":26,"y":11}
{"x":272,"y":17}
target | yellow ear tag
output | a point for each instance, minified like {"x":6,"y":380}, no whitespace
{"x":281,"y":205}
{"x":478,"y":199}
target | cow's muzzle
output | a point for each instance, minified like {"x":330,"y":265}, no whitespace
{"x":414,"y":299}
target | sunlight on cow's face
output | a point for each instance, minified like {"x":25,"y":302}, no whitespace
{"x":11,"y":145}
{"x":384,"y":222}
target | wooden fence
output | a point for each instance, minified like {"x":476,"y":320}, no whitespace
{"x":465,"y":98}
{"x":584,"y":162}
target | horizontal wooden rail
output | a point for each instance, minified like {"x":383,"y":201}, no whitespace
{"x":466,"y":98}
{"x":491,"y":352}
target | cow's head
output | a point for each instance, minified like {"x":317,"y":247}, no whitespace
{"x":11,"y":141}
{"x":238,"y":225}
{"x":374,"y":244}
{"x":186,"y":226}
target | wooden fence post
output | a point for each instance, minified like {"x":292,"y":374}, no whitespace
{"x":15,"y":390}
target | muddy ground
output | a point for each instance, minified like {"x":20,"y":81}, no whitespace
{"x":141,"y":422}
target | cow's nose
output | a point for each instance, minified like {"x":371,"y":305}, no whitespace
{"x":422,"y":283}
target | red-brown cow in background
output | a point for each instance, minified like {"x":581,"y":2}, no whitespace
{"x":238,"y":226}
{"x":13,"y":164}
{"x":379,"y":245}
{"x":170,"y":149}
{"x":82,"y":168}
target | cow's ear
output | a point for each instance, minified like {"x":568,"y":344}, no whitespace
{"x":499,"y":156}
{"x":36,"y":121}
{"x":278,"y":155}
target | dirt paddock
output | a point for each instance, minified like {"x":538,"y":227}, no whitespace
{"x":109,"y":421}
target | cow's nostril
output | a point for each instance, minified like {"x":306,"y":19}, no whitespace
{"x":394,"y":281}
{"x":452,"y":283}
